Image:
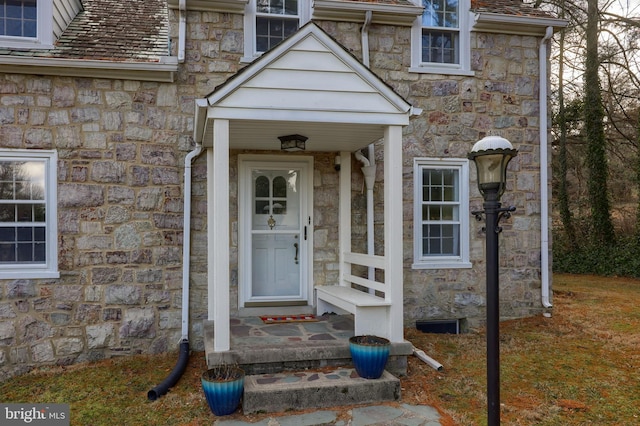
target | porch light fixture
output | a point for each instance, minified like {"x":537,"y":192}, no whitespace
{"x":491,"y":156}
{"x":292,"y":143}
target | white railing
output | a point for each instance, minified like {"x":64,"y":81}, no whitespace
{"x":368,"y":261}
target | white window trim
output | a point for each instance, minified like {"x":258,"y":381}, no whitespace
{"x":50,"y":268}
{"x":250,"y":53}
{"x":464,"y":67}
{"x":441,"y":262}
{"x":44,"y":39}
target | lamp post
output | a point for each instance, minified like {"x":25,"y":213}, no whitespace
{"x":491,"y":156}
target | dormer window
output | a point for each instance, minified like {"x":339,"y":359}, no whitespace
{"x":275,"y":21}
{"x":440,"y":38}
{"x":269,"y":22}
{"x":26,"y":24}
{"x":441,"y":32}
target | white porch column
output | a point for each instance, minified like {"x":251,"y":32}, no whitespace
{"x":344,"y":231}
{"x":393,"y":229}
{"x":218,"y":235}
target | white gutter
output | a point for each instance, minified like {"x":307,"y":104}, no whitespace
{"x":515,"y":24}
{"x":182,"y":30}
{"x":186,"y":239}
{"x":544,"y":184}
{"x":163,"y":70}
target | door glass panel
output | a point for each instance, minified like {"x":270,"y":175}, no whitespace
{"x":276,"y":199}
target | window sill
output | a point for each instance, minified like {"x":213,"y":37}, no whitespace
{"x":440,"y":70}
{"x":28,"y":274}
{"x":24,"y":43}
{"x":249,"y":59}
{"x":442,"y":265}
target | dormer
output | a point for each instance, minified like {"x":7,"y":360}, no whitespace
{"x":35,"y":24}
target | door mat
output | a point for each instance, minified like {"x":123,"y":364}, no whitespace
{"x":274,"y":319}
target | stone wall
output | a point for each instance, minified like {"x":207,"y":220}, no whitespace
{"x":121,"y":147}
{"x":501,"y":99}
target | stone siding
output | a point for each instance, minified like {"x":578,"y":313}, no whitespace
{"x":121,"y":147}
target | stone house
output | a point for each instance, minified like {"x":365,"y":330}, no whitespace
{"x":312,"y":142}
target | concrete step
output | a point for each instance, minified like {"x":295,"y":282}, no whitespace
{"x":298,"y":390}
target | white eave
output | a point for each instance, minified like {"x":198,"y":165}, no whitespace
{"x":162,"y":71}
{"x":513,"y":24}
{"x":230,"y":6}
{"x":341,"y":10}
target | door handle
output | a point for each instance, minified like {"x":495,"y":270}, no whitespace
{"x":296,"y":258}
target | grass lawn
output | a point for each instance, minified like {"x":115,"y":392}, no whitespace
{"x":581,"y":366}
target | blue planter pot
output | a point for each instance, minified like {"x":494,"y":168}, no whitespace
{"x":223,"y":387}
{"x":369,"y":355}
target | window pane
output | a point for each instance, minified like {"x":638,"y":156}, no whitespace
{"x":436,"y":177}
{"x":435,"y":194}
{"x":7,"y":252}
{"x":450,"y":213}
{"x":13,"y":27}
{"x":39,"y":233}
{"x":276,"y":27}
{"x":30,"y":9}
{"x":432,"y":213}
{"x":262,"y":186}
{"x":30,"y":29}
{"x":25,"y":213}
{"x":7,"y":234}
{"x":262,"y":207}
{"x":39,"y":252}
{"x":279,"y":187}
{"x":291,"y":7}
{"x":25,"y":252}
{"x":25,"y":234}
{"x":280,"y":207}
{"x":14,"y":9}
{"x":290,"y":27}
{"x":39,"y":213}
{"x":7,"y":212}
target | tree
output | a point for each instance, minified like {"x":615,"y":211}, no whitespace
{"x":602,"y":226}
{"x":563,"y":194}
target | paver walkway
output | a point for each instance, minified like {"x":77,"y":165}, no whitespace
{"x":383,"y":415}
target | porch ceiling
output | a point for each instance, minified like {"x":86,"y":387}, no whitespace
{"x":333,"y":137}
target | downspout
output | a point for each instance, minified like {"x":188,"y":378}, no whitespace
{"x":183,"y":357}
{"x":369,"y":172}
{"x":544,"y":185}
{"x":182,"y":30}
{"x":365,"y":37}
{"x":368,"y":165}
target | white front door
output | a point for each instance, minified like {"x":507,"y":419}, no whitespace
{"x":274,"y":232}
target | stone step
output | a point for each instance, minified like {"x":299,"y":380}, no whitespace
{"x":298,"y":390}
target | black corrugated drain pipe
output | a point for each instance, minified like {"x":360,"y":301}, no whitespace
{"x":174,"y":376}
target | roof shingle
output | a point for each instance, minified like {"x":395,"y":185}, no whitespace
{"x":115,"y":30}
{"x":138,"y":30}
